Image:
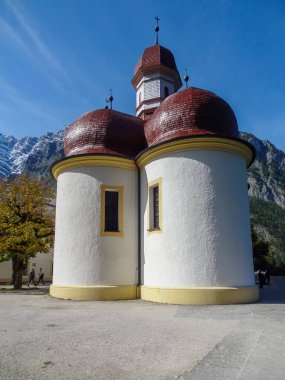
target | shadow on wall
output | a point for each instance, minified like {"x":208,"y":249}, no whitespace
{"x":143,"y":212}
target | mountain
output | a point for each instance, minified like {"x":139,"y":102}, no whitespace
{"x":266,"y":176}
{"x":34,"y":156}
{"x":30,"y":155}
{"x":268,"y":224}
{"x":6,"y":145}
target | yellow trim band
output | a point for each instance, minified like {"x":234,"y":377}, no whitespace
{"x":178,"y":296}
{"x":198,"y":143}
{"x":94,"y":293}
{"x":79,"y":161}
{"x":120,"y":190}
{"x":201,"y":296}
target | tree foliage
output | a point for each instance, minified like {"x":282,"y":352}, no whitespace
{"x":268,"y":216}
{"x":26,"y":221}
{"x":260,"y":251}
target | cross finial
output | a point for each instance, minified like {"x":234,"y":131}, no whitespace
{"x":111,"y":98}
{"x":186,"y":78}
{"x":156,"y":30}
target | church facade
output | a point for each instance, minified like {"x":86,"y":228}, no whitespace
{"x":155,"y":206}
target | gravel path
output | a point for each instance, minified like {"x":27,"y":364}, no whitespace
{"x":47,"y":338}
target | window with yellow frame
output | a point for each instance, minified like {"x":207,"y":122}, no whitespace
{"x":155,"y":206}
{"x":112,"y":210}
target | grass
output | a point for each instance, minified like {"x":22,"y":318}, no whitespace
{"x":25,"y":289}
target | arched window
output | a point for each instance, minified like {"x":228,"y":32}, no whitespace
{"x":166,"y":92}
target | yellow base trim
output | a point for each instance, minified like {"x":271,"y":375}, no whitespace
{"x":201,"y":296}
{"x":100,"y":160}
{"x":178,"y":296}
{"x":94,"y":293}
{"x":214,"y":143}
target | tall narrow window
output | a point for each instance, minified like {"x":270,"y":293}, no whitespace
{"x":155,"y":192}
{"x":111,"y":210}
{"x":154,"y":206}
{"x":140,"y":98}
{"x":166,"y":92}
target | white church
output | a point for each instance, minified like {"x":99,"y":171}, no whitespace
{"x":155,"y":206}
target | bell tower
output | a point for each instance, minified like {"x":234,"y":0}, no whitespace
{"x":155,"y":78}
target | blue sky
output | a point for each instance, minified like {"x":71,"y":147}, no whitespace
{"x":60,"y":57}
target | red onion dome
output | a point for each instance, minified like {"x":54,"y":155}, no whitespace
{"x":191,"y":112}
{"x":154,"y":56}
{"x":105,"y":131}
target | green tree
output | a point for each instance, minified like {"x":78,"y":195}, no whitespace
{"x":260,"y":251}
{"x":269,"y":218}
{"x":26,"y":222}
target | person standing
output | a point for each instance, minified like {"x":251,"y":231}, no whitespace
{"x":267,"y":277}
{"x":260,"y":276}
{"x":32,"y":277}
{"x":41,"y":277}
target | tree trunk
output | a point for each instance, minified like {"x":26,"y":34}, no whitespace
{"x":14,"y":266}
{"x":18,"y":272}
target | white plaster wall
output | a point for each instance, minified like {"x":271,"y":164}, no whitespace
{"x":169,"y":85}
{"x":205,"y":239}
{"x":5,"y":271}
{"x":150,"y":104}
{"x":154,"y":76}
{"x":152,"y":86}
{"x":44,"y":261}
{"x":41,"y":260}
{"x":151,"y":89}
{"x":82,"y":256}
{"x":139,"y":91}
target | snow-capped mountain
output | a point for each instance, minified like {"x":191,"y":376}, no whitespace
{"x":34,"y":156}
{"x":6,"y":145}
{"x":30,"y":155}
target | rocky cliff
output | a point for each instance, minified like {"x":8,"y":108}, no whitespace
{"x":30,"y":155}
{"x":34,"y":156}
{"x":267,"y":173}
{"x":266,"y":176}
